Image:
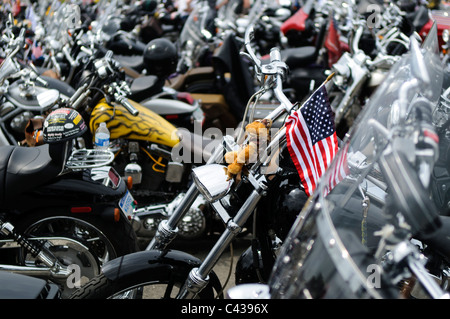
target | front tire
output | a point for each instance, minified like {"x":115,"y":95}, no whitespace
{"x":149,"y":274}
{"x":166,"y":287}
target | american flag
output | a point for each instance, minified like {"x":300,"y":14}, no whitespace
{"x":311,"y":138}
{"x":339,"y":170}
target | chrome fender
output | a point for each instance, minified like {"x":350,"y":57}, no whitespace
{"x":168,"y":106}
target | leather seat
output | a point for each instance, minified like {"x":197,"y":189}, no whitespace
{"x":145,"y":86}
{"x":305,"y":55}
{"x":25,"y":168}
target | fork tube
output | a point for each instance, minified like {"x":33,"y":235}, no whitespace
{"x":229,"y":234}
{"x":167,"y":229}
{"x":198,"y":277}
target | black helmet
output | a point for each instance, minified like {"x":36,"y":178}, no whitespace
{"x":160,"y":57}
{"x":62,"y":125}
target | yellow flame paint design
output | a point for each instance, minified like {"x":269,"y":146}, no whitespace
{"x":147,"y":126}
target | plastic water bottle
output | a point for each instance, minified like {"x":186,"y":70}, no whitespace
{"x":102,"y":137}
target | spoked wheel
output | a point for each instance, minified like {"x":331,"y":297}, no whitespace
{"x":82,"y":245}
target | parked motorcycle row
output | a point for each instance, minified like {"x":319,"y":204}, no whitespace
{"x":318,"y":128}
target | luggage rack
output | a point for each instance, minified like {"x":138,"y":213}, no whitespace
{"x":89,"y":158}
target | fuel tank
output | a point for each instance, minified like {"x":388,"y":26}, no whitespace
{"x":147,"y":126}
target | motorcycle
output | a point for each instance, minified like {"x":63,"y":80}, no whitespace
{"x":368,"y":230}
{"x":67,"y":56}
{"x":299,"y":28}
{"x":141,"y":157}
{"x":210,"y":69}
{"x":310,"y":61}
{"x":63,"y":212}
{"x":197,"y":38}
{"x":142,"y":145}
{"x":21,"y":90}
{"x":268,"y":188}
{"x":360,"y":71}
{"x":177,"y":92}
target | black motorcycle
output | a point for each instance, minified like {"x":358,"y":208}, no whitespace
{"x":371,"y":229}
{"x":59,"y":219}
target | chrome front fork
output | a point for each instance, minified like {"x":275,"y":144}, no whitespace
{"x":167,"y":230}
{"x":199,"y":277}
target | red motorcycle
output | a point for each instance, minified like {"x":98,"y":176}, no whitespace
{"x":442,"y":19}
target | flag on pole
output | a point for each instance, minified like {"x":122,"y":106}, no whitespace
{"x":311,"y":138}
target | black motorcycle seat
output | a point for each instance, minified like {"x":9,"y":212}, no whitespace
{"x":301,"y":77}
{"x":24,"y":168}
{"x":305,"y":55}
{"x":135,"y":62}
{"x":299,"y":57}
{"x":145,"y":86}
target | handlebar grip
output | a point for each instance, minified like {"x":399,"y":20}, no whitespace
{"x":130,"y":108}
{"x":42,"y":81}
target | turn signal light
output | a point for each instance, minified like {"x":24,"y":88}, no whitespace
{"x":116,"y":214}
{"x":129,"y":182}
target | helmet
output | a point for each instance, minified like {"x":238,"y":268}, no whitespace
{"x":62,"y":125}
{"x":111,"y":26}
{"x":160,"y":57}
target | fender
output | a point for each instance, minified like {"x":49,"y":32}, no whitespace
{"x":63,"y":88}
{"x":154,"y":264}
{"x":168,"y":107}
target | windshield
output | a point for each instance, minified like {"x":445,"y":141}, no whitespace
{"x":198,"y":24}
{"x":365,"y":143}
{"x":191,"y":28}
{"x":197,"y":31}
{"x":105,"y":10}
{"x":340,"y":229}
{"x":230,"y":11}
